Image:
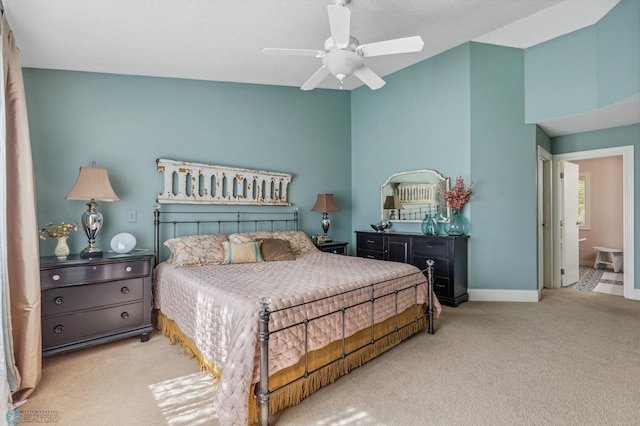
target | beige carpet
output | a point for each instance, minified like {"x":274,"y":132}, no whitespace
{"x":571,"y":359}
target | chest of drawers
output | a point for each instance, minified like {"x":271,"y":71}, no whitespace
{"x":448,"y":253}
{"x":86,"y":302}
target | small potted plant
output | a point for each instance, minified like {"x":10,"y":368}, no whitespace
{"x":60,"y":233}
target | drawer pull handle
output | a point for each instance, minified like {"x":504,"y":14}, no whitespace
{"x":370,"y":256}
{"x":58,"y":329}
{"x":59,"y":300}
{"x":125,"y":290}
{"x":56,"y":277}
{"x":370,"y":241}
{"x":128,"y":269}
{"x":124,"y":315}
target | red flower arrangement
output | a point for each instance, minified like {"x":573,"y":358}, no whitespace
{"x":456,"y":197}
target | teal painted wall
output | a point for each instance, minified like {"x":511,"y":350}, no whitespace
{"x":418,"y":120}
{"x":609,"y":138}
{"x":619,"y":53}
{"x":561,"y":76}
{"x":464,"y":117}
{"x":125,"y":123}
{"x":586,"y":69}
{"x":503,"y":167}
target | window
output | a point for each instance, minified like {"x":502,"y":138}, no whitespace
{"x":583,"y":201}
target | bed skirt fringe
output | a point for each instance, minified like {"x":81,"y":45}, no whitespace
{"x":176,"y":336}
{"x":294,"y":393}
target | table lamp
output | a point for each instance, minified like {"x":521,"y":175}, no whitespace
{"x":392,"y":202}
{"x":325,"y":203}
{"x":92,"y":184}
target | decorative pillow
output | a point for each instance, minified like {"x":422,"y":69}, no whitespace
{"x":274,"y":249}
{"x":241,"y":252}
{"x":299,"y":241}
{"x":249,"y":237}
{"x":196,"y":250}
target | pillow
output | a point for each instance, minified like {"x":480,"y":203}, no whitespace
{"x":241,"y":252}
{"x":300,"y":243}
{"x":196,"y":250}
{"x":274,"y":249}
{"x":249,"y":237}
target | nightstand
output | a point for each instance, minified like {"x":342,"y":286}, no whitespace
{"x":337,"y":247}
{"x":86,"y":302}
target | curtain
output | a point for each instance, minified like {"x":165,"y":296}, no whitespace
{"x":22,"y":285}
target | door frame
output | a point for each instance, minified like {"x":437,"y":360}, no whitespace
{"x":545,"y":230}
{"x":628,"y":211}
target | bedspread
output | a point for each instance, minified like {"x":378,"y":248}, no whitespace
{"x":217,"y":307}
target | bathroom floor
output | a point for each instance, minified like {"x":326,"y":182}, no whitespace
{"x":600,"y":281}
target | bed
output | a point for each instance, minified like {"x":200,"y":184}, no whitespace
{"x":270,"y":316}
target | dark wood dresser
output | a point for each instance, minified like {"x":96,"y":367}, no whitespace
{"x":448,"y":253}
{"x":86,"y":302}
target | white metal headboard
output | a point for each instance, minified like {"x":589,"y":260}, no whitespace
{"x":195,"y":183}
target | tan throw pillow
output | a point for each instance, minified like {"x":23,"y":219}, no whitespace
{"x":273,"y":249}
{"x":241,"y":252}
{"x":193,"y":250}
{"x":300,"y":243}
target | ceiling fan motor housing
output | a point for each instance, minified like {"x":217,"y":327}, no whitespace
{"x":341,"y":62}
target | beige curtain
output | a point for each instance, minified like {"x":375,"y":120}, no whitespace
{"x":22,"y":257}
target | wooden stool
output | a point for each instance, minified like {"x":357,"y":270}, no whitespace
{"x":608,"y":256}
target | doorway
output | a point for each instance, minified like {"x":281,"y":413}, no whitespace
{"x":551,"y":192}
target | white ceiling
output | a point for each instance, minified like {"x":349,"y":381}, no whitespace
{"x":221,"y":40}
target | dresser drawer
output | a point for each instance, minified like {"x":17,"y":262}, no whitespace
{"x":441,"y":287}
{"x":69,"y":275}
{"x":69,"y":328}
{"x":369,"y":254}
{"x":60,"y":300}
{"x":430,"y":247}
{"x":371,"y":242}
{"x":440,"y":266}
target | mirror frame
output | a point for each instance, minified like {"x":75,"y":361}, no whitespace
{"x":425,"y":178}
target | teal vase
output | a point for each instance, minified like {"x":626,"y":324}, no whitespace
{"x":429,"y":225}
{"x":457,"y":224}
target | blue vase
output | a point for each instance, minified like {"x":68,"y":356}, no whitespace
{"x":457,"y":224}
{"x":429,"y":225}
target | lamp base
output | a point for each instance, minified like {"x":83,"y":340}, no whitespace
{"x":95,"y":254}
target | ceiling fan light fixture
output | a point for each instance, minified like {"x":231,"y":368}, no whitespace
{"x":342,"y":63}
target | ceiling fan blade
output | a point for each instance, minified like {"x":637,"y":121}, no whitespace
{"x":292,"y":52}
{"x":369,"y":77}
{"x":315,"y":79}
{"x":340,"y":24}
{"x":391,"y":47}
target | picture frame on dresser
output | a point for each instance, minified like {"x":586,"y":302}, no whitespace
{"x":449,"y":254}
{"x":86,"y":302}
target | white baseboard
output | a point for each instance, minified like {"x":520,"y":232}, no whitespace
{"x":476,"y":295}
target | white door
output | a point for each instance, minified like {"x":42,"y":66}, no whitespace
{"x":569,"y":223}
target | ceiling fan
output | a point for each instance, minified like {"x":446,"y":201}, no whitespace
{"x":343,"y":55}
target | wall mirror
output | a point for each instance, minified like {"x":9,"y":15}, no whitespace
{"x":409,"y":196}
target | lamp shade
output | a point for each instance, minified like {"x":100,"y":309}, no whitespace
{"x":92,"y":184}
{"x":392,"y":202}
{"x":325,"y":203}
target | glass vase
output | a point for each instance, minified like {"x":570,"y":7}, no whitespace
{"x":457,"y":224}
{"x":62,"y":249}
{"x":429,"y":225}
